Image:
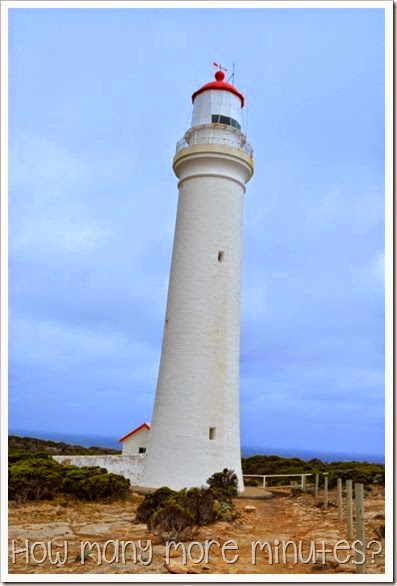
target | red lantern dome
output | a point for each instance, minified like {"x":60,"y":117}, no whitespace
{"x":219,"y":84}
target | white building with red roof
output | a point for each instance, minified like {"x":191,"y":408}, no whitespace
{"x":136,"y":441}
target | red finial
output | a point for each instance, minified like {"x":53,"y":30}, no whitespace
{"x":220,"y":69}
{"x":219,"y":76}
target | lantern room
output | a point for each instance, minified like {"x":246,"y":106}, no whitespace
{"x":218,"y":102}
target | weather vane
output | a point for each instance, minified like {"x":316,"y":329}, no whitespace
{"x":219,"y":66}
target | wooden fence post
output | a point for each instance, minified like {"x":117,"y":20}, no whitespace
{"x":326,"y":490}
{"x":339,"y":499}
{"x":360,"y":533}
{"x":349,"y":508}
{"x":316,"y":486}
{"x":303,"y":483}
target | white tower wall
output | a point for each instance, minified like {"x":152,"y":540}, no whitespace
{"x":195,"y":422}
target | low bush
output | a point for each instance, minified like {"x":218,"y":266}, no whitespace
{"x":253,"y":482}
{"x":199,"y":502}
{"x":225,"y":511}
{"x":34,"y":479}
{"x":14,"y":457}
{"x":366,"y":472}
{"x":173,"y":514}
{"x":37,"y":476}
{"x":94,"y":484}
{"x":152,"y":503}
{"x":356,"y":476}
{"x":172,"y":522}
{"x":224,"y":485}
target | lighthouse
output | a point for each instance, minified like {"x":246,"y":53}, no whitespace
{"x":195,"y":429}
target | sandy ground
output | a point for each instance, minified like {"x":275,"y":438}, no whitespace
{"x":61,"y":527}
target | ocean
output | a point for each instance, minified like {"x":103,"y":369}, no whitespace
{"x":112,"y":442}
{"x":310,"y":454}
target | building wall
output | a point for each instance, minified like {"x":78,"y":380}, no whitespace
{"x":130,"y":467}
{"x":198,"y":383}
{"x":138,"y":440}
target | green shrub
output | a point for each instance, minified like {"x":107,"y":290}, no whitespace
{"x":171,"y":514}
{"x":171,"y":522}
{"x":94,"y":484}
{"x":34,"y":476}
{"x":34,"y":479}
{"x":224,"y":485}
{"x":374,"y":473}
{"x":199,"y":502}
{"x":152,"y":503}
{"x":253,"y":481}
{"x":75,"y":477}
{"x":224,"y":511}
{"x":14,"y":457}
{"x":350,"y":474}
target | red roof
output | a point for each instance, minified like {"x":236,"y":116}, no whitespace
{"x":219,"y":84}
{"x":147,"y":425}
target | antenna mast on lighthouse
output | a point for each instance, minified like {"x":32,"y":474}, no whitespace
{"x":232,"y":76}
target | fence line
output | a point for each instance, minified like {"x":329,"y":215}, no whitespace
{"x":264,"y":476}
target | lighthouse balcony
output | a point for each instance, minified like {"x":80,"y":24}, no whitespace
{"x":215,"y":134}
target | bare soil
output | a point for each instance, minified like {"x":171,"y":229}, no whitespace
{"x":64,"y":525}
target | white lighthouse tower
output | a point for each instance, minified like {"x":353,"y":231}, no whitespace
{"x":195,"y":424}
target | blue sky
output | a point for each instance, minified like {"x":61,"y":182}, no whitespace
{"x":97,"y":101}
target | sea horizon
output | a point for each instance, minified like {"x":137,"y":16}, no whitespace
{"x":246,"y":451}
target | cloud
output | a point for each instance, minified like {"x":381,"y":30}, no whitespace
{"x":92,"y":207}
{"x":377,"y":267}
{"x":42,"y":166}
{"x":58,"y":234}
{"x":356,"y":211}
{"x":58,"y":367}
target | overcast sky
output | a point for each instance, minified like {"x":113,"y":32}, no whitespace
{"x":97,"y":100}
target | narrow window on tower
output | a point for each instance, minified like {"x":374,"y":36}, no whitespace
{"x":221,"y":254}
{"x":142,"y":450}
{"x":212,"y":431}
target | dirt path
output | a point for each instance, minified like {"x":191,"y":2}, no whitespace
{"x":63,"y":526}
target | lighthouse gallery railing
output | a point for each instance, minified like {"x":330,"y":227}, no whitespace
{"x":210,"y":138}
